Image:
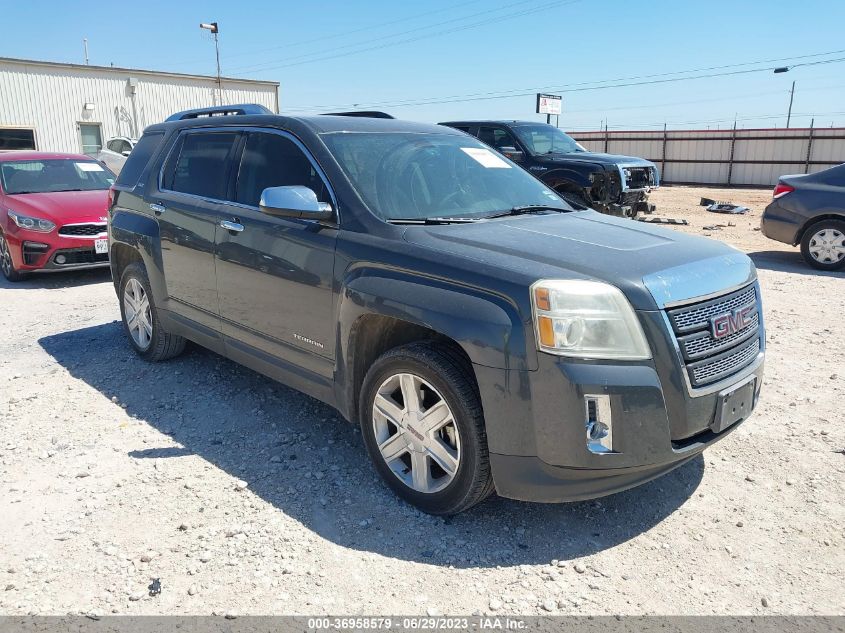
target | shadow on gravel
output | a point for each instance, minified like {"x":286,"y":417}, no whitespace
{"x":788,"y":262}
{"x":299,"y":456}
{"x":68,"y":279}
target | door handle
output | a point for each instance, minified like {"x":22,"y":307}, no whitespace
{"x":158,"y":209}
{"x":231,"y":226}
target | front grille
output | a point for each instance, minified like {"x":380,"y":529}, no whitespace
{"x":714,"y":369}
{"x":708,"y":359}
{"x":698,"y":316}
{"x":83,"y":230}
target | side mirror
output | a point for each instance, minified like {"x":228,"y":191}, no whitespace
{"x":514,"y":154}
{"x":294,"y":202}
{"x":126,"y":152}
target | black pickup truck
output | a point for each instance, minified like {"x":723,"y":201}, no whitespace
{"x":612,"y":184}
{"x":484,"y":334}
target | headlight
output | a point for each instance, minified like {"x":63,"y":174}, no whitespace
{"x":31,"y":224}
{"x":586,"y":319}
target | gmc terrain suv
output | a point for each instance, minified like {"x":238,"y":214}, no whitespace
{"x":484,"y":334}
{"x":616,"y":185}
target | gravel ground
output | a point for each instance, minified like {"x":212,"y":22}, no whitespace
{"x":242,"y":496}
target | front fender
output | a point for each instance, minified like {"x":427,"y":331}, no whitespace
{"x":486,"y":326}
{"x":557,"y":176}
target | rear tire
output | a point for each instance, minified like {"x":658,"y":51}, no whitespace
{"x":823,"y":245}
{"x":7,"y":266}
{"x":437,"y":462}
{"x":140,"y":319}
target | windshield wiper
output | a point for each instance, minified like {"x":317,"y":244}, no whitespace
{"x":526,"y":208}
{"x":434,"y":220}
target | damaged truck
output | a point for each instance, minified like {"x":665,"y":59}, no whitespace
{"x":611,"y":184}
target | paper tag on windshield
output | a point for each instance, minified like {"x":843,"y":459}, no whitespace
{"x":485,"y":157}
{"x":89,"y":167}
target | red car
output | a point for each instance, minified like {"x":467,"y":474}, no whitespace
{"x":53,"y":212}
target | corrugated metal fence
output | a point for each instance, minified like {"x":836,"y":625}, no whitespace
{"x":725,"y":157}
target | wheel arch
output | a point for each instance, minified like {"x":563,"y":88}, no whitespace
{"x":831,"y":215}
{"x":378,"y":314}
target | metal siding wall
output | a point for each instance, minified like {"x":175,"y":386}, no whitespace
{"x":50,"y":99}
{"x":705,"y":154}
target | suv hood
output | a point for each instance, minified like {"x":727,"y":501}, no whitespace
{"x":651,"y":265}
{"x":606,"y":160}
{"x":62,"y":207}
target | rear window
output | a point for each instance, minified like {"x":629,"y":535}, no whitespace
{"x":138,"y":159}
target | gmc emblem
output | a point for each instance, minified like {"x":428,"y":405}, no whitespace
{"x":726,"y":324}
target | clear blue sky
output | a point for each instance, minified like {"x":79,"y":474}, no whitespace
{"x":455,"y":48}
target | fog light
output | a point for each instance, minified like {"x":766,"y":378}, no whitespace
{"x":60,"y":259}
{"x":599,"y":424}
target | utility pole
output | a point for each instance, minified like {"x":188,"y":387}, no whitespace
{"x":85,"y":46}
{"x":786,"y":69}
{"x":212,"y":26}
{"x":791,"y":97}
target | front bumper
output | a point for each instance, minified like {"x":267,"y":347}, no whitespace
{"x":537,"y":437}
{"x":38,"y":252}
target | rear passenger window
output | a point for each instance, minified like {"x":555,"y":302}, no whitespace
{"x":271,"y":160}
{"x":138,"y":159}
{"x":201,"y":165}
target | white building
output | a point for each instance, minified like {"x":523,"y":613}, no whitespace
{"x":75,"y":108}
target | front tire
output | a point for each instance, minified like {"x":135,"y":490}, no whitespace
{"x":823,"y":245}
{"x":140,"y":319}
{"x":7,"y":266}
{"x":423,"y":426}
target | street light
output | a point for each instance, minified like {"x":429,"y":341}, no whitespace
{"x":785,"y":69}
{"x":212,"y":26}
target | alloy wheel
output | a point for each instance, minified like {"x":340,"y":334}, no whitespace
{"x":827,"y":246}
{"x":416,"y":433}
{"x":136,"y":309}
{"x":5,"y":257}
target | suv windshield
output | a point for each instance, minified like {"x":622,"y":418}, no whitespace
{"x":545,"y":139}
{"x":50,"y":175}
{"x":420,"y":176}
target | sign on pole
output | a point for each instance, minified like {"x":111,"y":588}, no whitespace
{"x":549,"y":104}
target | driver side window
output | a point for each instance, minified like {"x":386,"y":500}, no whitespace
{"x":496,"y":137}
{"x":272,"y":160}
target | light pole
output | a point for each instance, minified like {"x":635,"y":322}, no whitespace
{"x":785,"y":69}
{"x":212,"y":26}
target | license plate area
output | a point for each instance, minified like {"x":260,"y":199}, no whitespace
{"x":734,"y":404}
{"x":101,"y":246}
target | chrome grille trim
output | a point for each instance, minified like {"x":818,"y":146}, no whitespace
{"x":713,"y":369}
{"x":88,"y":229}
{"x":700,"y":344}
{"x":697,"y":316}
{"x":708,"y":360}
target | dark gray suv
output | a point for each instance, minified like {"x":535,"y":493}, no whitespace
{"x":484,"y":334}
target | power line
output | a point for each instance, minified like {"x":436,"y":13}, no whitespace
{"x":416,"y":16}
{"x":582,"y":87}
{"x":299,"y":43}
{"x":493,"y":20}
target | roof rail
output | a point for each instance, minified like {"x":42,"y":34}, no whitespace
{"x":368,"y":114}
{"x":227,"y":110}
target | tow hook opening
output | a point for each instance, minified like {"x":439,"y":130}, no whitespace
{"x":599,"y":424}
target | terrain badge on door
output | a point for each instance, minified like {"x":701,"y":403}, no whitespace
{"x":305,"y":339}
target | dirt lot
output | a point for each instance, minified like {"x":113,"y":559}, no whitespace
{"x":243,"y":496}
